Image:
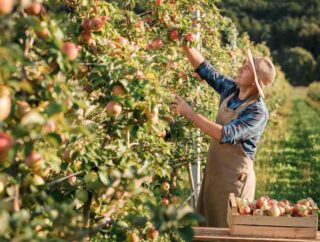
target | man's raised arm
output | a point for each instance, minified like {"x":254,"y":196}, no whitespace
{"x":193,"y":56}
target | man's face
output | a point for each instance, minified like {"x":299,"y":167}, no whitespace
{"x":245,"y":75}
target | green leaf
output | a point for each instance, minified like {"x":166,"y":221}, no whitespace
{"x":186,"y":233}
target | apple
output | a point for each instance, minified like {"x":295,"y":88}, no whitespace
{"x":37,"y":180}
{"x":5,"y":103}
{"x":152,"y":234}
{"x":274,"y":211}
{"x":67,"y":156}
{"x":34,"y":161}
{"x":92,"y":180}
{"x":85,"y":24}
{"x":86,"y":37}
{"x":272,"y":202}
{"x":122,"y":41}
{"x":157,"y":43}
{"x":114,"y":109}
{"x":72,"y":180}
{"x":70,"y":49}
{"x":158,"y":2}
{"x":34,"y":8}
{"x":189,"y":37}
{"x":139,"y":74}
{"x":6,"y":6}
{"x":165,"y":201}
{"x":43,"y":33}
{"x":261,"y":201}
{"x":50,"y":126}
{"x":96,"y":24}
{"x":294,"y":211}
{"x":118,"y":90}
{"x":242,"y":202}
{"x":132,"y":237}
{"x":6,"y":143}
{"x":175,"y":200}
{"x":265,"y":207}
{"x":303,"y":210}
{"x":282,"y":211}
{"x":305,"y":202}
{"x":82,"y":195}
{"x":174,"y":34}
{"x":285,"y":201}
{"x":258,"y":212}
{"x":244,"y":210}
{"x":252,"y":205}
{"x":165,"y":186}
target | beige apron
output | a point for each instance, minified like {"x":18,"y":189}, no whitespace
{"x":228,"y":170}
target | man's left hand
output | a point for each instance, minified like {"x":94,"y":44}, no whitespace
{"x":182,"y":107}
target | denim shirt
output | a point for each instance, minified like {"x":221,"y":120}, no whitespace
{"x":247,"y":128}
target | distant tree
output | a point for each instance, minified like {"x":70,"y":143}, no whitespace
{"x":299,"y":65}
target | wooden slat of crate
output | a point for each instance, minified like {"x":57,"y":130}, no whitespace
{"x":269,"y":231}
{"x":303,"y":222}
{"x":222,"y":234}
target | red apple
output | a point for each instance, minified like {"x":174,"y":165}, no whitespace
{"x":86,"y":37}
{"x":70,"y":49}
{"x":50,"y":126}
{"x":174,"y":34}
{"x":165,"y":201}
{"x":96,"y":24}
{"x":122,"y":41}
{"x":34,"y":161}
{"x":34,"y":8}
{"x":157,"y":43}
{"x":158,"y":2}
{"x":85,"y":24}
{"x":6,"y":143}
{"x":6,"y":6}
{"x":294,"y":211}
{"x":261,"y":201}
{"x":114,"y":109}
{"x":272,"y":202}
{"x":244,"y":210}
{"x":152,"y":234}
{"x":189,"y":37}
{"x":285,"y":201}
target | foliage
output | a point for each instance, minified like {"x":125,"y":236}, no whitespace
{"x":314,"y":91}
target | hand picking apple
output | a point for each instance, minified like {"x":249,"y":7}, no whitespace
{"x":264,"y":206}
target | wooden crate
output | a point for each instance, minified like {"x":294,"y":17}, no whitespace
{"x":272,"y":227}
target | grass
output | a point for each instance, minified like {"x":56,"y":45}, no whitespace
{"x":288,"y":162}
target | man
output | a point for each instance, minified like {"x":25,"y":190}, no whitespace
{"x":240,"y":121}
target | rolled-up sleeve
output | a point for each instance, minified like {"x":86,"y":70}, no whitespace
{"x":249,"y":123}
{"x":218,"y":81}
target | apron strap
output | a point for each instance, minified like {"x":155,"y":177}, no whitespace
{"x":249,"y":101}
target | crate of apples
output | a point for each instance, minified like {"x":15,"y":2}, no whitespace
{"x":267,"y":217}
{"x":264,"y":206}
